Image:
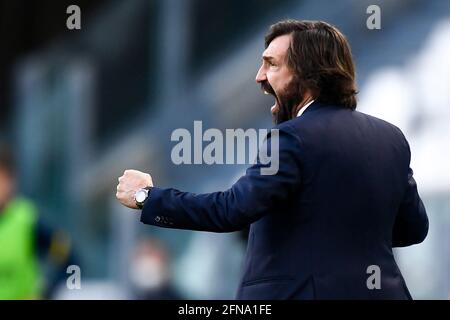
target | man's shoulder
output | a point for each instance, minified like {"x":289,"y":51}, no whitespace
{"x":287,"y":129}
{"x":332,"y":118}
{"x":381,"y":123}
{"x":328,"y":111}
{"x":286,"y":126}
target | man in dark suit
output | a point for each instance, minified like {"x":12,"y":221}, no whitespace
{"x":323,"y":226}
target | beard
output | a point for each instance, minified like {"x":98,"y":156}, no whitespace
{"x":286,"y":101}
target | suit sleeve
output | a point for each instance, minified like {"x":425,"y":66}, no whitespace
{"x":411,"y":224}
{"x":250,"y":198}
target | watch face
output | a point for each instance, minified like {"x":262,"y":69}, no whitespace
{"x":141,"y":195}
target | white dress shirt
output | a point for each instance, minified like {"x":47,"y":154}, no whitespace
{"x":304,"y":108}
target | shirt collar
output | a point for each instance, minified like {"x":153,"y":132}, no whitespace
{"x":302,"y":109}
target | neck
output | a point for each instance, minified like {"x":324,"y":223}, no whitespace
{"x":305,"y":101}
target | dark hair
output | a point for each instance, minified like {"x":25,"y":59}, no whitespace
{"x":7,"y":160}
{"x":321,"y":58}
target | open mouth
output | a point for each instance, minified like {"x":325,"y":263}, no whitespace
{"x":267,"y":89}
{"x":274,"y":109}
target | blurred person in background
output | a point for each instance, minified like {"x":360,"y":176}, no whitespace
{"x":149,"y":272}
{"x":24,"y":240}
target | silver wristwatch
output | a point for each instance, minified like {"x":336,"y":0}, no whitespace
{"x":141,"y":196}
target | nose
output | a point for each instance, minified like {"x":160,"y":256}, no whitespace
{"x":261,"y":75}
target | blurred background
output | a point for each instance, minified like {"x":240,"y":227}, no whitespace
{"x":77,"y":107}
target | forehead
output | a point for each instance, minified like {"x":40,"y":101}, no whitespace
{"x":278,"y":47}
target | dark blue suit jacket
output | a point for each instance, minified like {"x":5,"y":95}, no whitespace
{"x":343,"y":197}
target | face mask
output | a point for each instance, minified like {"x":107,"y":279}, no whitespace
{"x":147,"y":273}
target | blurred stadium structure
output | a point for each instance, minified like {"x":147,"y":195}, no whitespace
{"x":87,"y":104}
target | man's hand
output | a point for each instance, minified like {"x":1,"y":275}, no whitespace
{"x":130,"y":182}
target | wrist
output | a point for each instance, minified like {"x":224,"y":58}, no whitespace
{"x":141,"y":196}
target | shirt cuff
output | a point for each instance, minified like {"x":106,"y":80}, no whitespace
{"x":153,"y":209}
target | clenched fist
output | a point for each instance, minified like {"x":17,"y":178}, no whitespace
{"x":130,"y":182}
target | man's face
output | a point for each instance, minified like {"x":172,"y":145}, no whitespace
{"x":6,"y":187}
{"x":277,"y":79}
